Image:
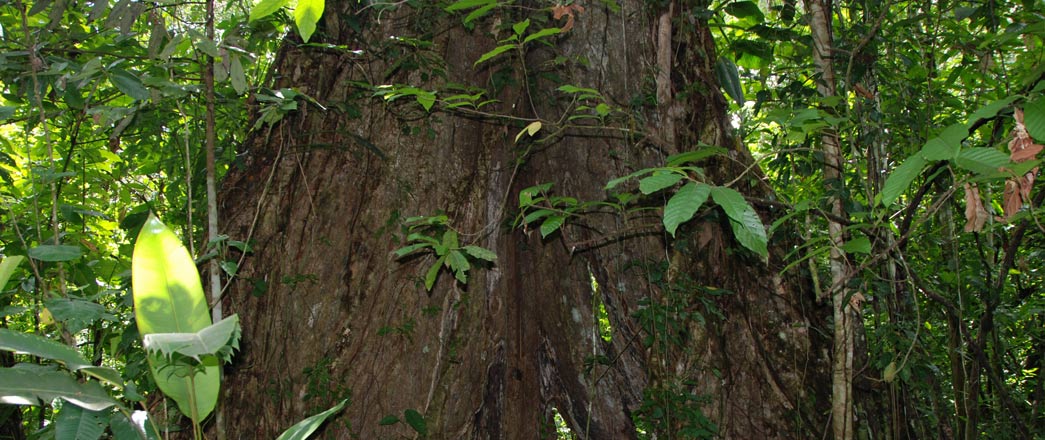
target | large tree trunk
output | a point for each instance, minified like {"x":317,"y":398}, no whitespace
{"x":704,"y":335}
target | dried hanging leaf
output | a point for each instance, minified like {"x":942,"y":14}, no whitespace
{"x":1021,"y":149}
{"x":975,"y":214}
{"x":558,"y":11}
{"x":1011,"y":202}
{"x":856,"y":300}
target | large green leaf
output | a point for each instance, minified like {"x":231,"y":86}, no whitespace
{"x":946,"y":145}
{"x":982,"y":160}
{"x":168,"y":298}
{"x":901,"y":178}
{"x":55,"y":252}
{"x":991,"y":110}
{"x":32,"y":387}
{"x":303,"y":429}
{"x":7,"y":268}
{"x":75,"y":423}
{"x":727,"y":74}
{"x":684,"y":204}
{"x":264,"y":8}
{"x":306,"y":15}
{"x":1034,"y":119}
{"x":129,"y":84}
{"x":747,"y":226}
{"x":39,"y":346}
{"x":658,"y":181}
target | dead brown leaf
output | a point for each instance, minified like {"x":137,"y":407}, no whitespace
{"x":975,"y":214}
{"x":1021,"y":149}
{"x":558,"y":11}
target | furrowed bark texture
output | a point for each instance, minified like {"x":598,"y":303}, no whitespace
{"x":327,"y":309}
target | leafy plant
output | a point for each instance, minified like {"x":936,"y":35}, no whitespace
{"x":432,"y":234}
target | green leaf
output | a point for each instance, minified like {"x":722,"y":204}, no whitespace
{"x":946,"y":145}
{"x":219,"y":340}
{"x":433,"y":273}
{"x":521,"y":26}
{"x":6,"y":112}
{"x":478,"y":13}
{"x":303,"y":429}
{"x":728,"y":75}
{"x":426,"y":99}
{"x":388,"y":420}
{"x":20,"y":386}
{"x":702,"y":152}
{"x":991,"y":110}
{"x":7,"y":268}
{"x":901,"y":178}
{"x":658,"y":181}
{"x":36,"y":345}
{"x":75,"y":313}
{"x":467,"y":4}
{"x":416,"y":421}
{"x":541,"y":34}
{"x":1034,"y":119}
{"x":237,"y":76}
{"x":982,"y":160}
{"x":54,"y":252}
{"x":747,"y":226}
{"x":480,"y":253}
{"x":129,"y":84}
{"x":526,"y":195}
{"x":530,"y":129}
{"x":75,"y":423}
{"x":613,"y":183}
{"x":168,"y":298}
{"x":745,"y":9}
{"x":306,"y":15}
{"x":459,"y":265}
{"x":858,"y":245}
{"x":496,"y":51}
{"x":551,"y":224}
{"x":684,"y":204}
{"x":264,"y":8}
{"x":407,"y":250}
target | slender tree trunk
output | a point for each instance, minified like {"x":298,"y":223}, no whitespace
{"x":845,"y":302}
{"x":705,"y":337}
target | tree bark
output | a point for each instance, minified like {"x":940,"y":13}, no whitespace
{"x":704,"y":335}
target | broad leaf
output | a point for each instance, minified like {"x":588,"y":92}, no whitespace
{"x":991,"y":110}
{"x":466,"y":4}
{"x":264,"y":8}
{"x":1034,"y":119}
{"x":306,"y":15}
{"x":946,"y":145}
{"x":729,"y":77}
{"x":39,"y":346}
{"x":54,"y":252}
{"x":32,"y":387}
{"x":416,"y":421}
{"x":303,"y":429}
{"x":551,"y":224}
{"x":901,"y":177}
{"x":982,"y":160}
{"x":658,"y":181}
{"x":75,"y":423}
{"x":7,"y":268}
{"x":480,"y":253}
{"x":858,"y":245}
{"x":684,"y":204}
{"x":129,"y":84}
{"x":747,"y":226}
{"x":124,"y":428}
{"x":168,"y":298}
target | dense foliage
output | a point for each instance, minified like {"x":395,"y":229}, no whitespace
{"x":939,"y":110}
